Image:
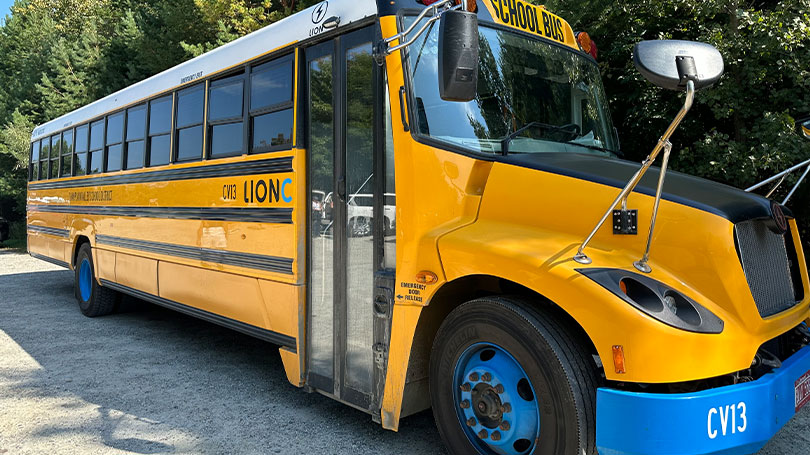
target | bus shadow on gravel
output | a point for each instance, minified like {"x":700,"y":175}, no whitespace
{"x":150,"y":380}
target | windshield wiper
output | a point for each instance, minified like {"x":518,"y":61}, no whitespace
{"x":593,"y":147}
{"x":571,"y":128}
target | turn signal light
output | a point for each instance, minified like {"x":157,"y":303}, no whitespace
{"x":618,"y":359}
{"x":426,"y":277}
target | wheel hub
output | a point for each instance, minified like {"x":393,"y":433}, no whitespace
{"x":495,"y":401}
{"x":487,"y":405}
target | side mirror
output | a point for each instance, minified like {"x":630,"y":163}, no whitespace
{"x":804,"y":126}
{"x":458,"y":55}
{"x":670,"y":64}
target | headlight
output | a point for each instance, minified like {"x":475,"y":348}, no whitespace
{"x":657,"y":300}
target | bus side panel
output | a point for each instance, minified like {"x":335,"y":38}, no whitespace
{"x":38,"y":244}
{"x":281,"y":304}
{"x":105,"y":264}
{"x":136,"y":272}
{"x":233,"y":296}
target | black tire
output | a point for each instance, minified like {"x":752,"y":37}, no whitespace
{"x":560,"y":369}
{"x":102,"y":301}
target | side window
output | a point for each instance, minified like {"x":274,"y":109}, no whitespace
{"x":225,"y":116}
{"x":160,"y":127}
{"x":44,"y":158}
{"x":271,"y":113}
{"x":53,"y":168}
{"x":115,"y":137}
{"x":80,"y":160}
{"x":67,"y":153}
{"x":34,"y":173}
{"x":189,"y":136}
{"x":94,"y":165}
{"x":136,"y":131}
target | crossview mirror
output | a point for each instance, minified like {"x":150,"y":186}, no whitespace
{"x":804,"y":126}
{"x":458,"y":55}
{"x":670,"y":64}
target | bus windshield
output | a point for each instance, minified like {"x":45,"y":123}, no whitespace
{"x":532,"y":95}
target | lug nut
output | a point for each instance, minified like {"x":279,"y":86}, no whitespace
{"x":506,"y":407}
{"x":486,"y":377}
{"x":464,"y":404}
{"x":483,"y":434}
{"x":466,"y":387}
{"x":496,"y":436}
{"x":499,"y":388}
{"x":505,"y":426}
{"x":473,"y":377}
{"x":471,"y":422}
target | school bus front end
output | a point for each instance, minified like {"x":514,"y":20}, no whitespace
{"x":701,"y":347}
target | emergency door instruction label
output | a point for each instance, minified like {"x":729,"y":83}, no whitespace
{"x":414,"y":292}
{"x":802,"y":391}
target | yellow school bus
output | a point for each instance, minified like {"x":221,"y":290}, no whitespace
{"x":414,"y":201}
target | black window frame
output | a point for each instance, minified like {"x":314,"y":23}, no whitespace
{"x":33,"y":165}
{"x":143,"y":138}
{"x":85,"y":152}
{"x":258,"y":68}
{"x":213,"y":84}
{"x":52,"y":158}
{"x":90,"y":150}
{"x":120,"y":143}
{"x":66,"y":152}
{"x":176,"y":130}
{"x":170,"y":97}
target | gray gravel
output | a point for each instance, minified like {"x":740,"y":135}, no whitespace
{"x":154,"y":381}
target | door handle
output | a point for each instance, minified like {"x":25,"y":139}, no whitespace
{"x":403,"y":109}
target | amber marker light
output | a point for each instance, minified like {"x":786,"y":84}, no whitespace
{"x":618,"y":359}
{"x":587,"y":44}
{"x":426,"y":277}
{"x":623,"y":286}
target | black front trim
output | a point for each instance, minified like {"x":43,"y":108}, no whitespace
{"x":257,"y":332}
{"x":49,"y":230}
{"x":51,"y":260}
{"x":281,"y":215}
{"x":246,"y":260}
{"x":269,"y":166}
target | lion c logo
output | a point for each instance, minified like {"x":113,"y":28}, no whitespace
{"x":779,"y":217}
{"x":319,"y":12}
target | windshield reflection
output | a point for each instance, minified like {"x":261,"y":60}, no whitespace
{"x":538,"y":96}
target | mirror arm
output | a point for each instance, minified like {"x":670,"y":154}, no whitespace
{"x":783,"y":173}
{"x":799,"y":182}
{"x":383,"y":48}
{"x":663,"y":142}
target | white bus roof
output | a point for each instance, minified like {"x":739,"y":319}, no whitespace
{"x":289,"y":30}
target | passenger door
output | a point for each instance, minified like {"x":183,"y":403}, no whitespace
{"x":344,"y":201}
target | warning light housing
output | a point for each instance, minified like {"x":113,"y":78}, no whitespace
{"x":587,"y":44}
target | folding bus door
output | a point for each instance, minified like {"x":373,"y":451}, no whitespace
{"x":345,"y":201}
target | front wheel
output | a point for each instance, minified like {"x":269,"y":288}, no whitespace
{"x":94,"y":300}
{"x":506,"y":378}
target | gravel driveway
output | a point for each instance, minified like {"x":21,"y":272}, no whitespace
{"x":154,"y":381}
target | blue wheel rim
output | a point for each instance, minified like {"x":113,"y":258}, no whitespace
{"x":495,"y":401}
{"x":85,"y":280}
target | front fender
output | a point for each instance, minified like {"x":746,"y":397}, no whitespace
{"x":541,"y":261}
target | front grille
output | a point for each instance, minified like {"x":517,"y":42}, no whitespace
{"x":770,"y":265}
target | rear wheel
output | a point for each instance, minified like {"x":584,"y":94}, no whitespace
{"x":94,"y":300}
{"x":506,"y":378}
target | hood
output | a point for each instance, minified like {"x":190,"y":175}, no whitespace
{"x":727,"y":201}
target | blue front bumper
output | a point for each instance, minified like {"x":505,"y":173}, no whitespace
{"x":736,"y":419}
